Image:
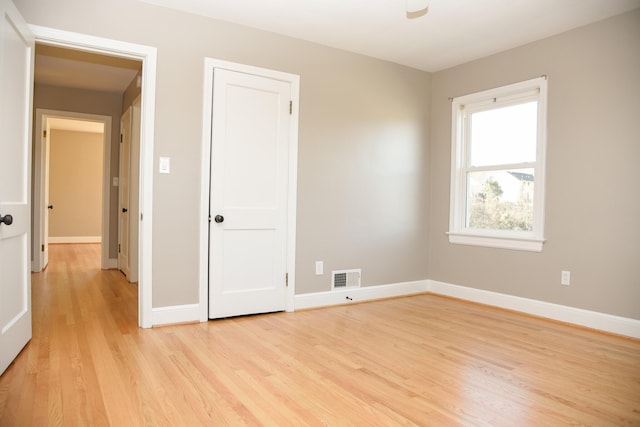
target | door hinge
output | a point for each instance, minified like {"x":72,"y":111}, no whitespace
{"x":42,"y":248}
{"x":44,"y":133}
{"x":120,"y":137}
{"x":118,"y":247}
{"x":290,"y":107}
{"x":209,"y":218}
{"x":286,"y":279}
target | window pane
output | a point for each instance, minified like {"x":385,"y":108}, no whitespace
{"x":504,"y":135}
{"x":500,"y":200}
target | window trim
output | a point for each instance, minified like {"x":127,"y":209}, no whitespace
{"x":459,"y":233}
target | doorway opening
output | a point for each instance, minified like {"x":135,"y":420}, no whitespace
{"x":71,"y":200}
{"x":113,"y":52}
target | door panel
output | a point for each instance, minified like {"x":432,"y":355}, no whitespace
{"x":246,"y":157}
{"x":47,"y":211}
{"x":249,"y":181}
{"x":16,"y":83}
{"x":123,"y":192}
{"x":242,"y":245}
{"x":13,"y":251}
{"x":134,"y":190}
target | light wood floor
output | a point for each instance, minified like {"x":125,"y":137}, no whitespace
{"x":422,"y":360}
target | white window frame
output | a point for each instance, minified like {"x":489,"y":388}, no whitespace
{"x":459,"y":233}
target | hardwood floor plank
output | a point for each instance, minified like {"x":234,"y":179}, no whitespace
{"x":417,"y":361}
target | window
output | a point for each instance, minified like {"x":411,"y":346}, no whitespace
{"x":497,"y":169}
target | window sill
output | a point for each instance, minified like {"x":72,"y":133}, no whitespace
{"x":514,"y":243}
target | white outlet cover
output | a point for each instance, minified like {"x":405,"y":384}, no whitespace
{"x":319,"y":268}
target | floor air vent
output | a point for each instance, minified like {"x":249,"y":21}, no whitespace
{"x":345,"y":279}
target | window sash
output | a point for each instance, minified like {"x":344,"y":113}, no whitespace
{"x":462,"y":108}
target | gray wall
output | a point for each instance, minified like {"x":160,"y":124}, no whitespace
{"x":90,"y":102}
{"x":593,"y":148}
{"x":363,"y":188}
{"x":374,"y":155}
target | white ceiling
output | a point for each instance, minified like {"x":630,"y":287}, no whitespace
{"x":452,"y":33}
{"x":75,"y":125}
{"x":83,"y":70}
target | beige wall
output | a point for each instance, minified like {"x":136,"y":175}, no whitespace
{"x":362,"y":190}
{"x":75,"y":184}
{"x":593,"y":201}
{"x":90,"y":102}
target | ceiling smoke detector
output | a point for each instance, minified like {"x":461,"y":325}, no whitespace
{"x":417,"y":8}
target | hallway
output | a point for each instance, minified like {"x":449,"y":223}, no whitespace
{"x":74,"y":305}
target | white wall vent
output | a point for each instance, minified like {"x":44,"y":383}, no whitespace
{"x":342,"y":279}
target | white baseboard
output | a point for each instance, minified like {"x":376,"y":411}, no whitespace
{"x":176,"y":314}
{"x":367,"y":293}
{"x":590,"y":319}
{"x":76,"y":239}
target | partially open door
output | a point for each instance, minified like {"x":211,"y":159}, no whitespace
{"x":47,"y":206}
{"x":123,"y":194}
{"x":16,"y":88}
{"x":251,"y":134}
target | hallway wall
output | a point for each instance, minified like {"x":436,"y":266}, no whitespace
{"x":90,"y":102}
{"x":75,"y":186}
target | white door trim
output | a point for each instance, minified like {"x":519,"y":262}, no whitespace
{"x":38,"y":173}
{"x":148,"y":56}
{"x":209,"y":65}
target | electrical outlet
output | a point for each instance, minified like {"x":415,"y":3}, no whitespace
{"x":319,"y":268}
{"x":565,"y":278}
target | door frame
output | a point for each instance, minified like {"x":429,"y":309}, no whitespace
{"x":210,"y":64}
{"x":148,"y":56}
{"x":39,"y":181}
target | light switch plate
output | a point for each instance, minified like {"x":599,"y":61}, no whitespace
{"x":565,"y":278}
{"x":165,"y":164}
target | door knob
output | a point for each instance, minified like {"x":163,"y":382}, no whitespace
{"x":125,"y":210}
{"x":218,"y":219}
{"x":50,"y":207}
{"x":7,"y":219}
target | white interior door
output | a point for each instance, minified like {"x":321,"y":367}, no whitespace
{"x":248,"y":194}
{"x":47,"y":203}
{"x":123,"y":193}
{"x":16,"y":84}
{"x":134,"y":190}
